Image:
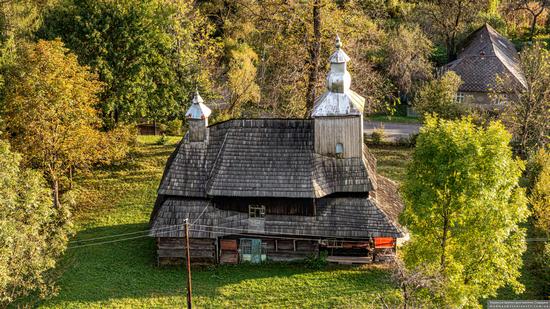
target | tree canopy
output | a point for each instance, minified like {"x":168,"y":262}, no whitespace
{"x":463,"y":209}
{"x":33,"y":233}
{"x":147,"y":53}
{"x":49,"y":113}
{"x":527,"y":114}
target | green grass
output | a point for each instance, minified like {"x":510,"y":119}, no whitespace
{"x":391,"y":161}
{"x":119,"y":199}
{"x":397,"y":119}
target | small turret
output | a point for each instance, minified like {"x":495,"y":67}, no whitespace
{"x":197,"y":117}
{"x":338,"y":113}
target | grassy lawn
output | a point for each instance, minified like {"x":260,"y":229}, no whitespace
{"x":398,"y":119}
{"x":119,"y":199}
{"x":392,"y":161}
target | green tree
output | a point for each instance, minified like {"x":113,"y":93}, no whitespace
{"x":463,"y":210}
{"x":49,"y":113}
{"x":33,"y":233}
{"x":19,"y":19}
{"x":447,"y":21}
{"x":147,"y":53}
{"x":407,"y":58}
{"x":438,"y":96}
{"x":539,"y":199}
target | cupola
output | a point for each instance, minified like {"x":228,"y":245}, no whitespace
{"x":338,"y":113}
{"x":197,"y":118}
{"x":339,"y":99}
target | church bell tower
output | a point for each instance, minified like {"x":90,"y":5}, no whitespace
{"x":338,"y":113}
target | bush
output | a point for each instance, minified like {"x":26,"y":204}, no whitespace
{"x":33,"y":233}
{"x":409,"y":141}
{"x":378,"y":136}
{"x":173,"y":127}
{"x":317,"y":262}
{"x":115,"y":144}
{"x":438,"y":97}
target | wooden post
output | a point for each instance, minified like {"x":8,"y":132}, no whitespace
{"x":188,"y":257}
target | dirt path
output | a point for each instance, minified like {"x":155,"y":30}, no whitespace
{"x":392,"y":130}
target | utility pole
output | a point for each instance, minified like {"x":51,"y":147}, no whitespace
{"x":188,"y":257}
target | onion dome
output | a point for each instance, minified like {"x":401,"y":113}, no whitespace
{"x":339,"y":99}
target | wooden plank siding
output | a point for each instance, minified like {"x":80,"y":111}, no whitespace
{"x":348,"y":131}
{"x":171,"y":250}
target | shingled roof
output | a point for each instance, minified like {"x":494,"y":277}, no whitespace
{"x":485,"y":55}
{"x":339,"y":217}
{"x":262,"y":158}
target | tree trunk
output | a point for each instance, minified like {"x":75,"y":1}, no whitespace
{"x":444,"y":241}
{"x":533,"y":27}
{"x":451,"y":49}
{"x":314,"y":53}
{"x":55,"y":189}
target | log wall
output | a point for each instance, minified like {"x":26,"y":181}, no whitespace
{"x":348,"y":131}
{"x":171,"y":250}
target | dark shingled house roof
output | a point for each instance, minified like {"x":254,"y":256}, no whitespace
{"x":262,"y":158}
{"x":271,"y":158}
{"x":485,"y":55}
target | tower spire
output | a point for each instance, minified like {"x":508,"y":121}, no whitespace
{"x":339,"y":99}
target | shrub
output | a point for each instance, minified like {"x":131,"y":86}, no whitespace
{"x":438,"y":97}
{"x":173,"y":127}
{"x":33,"y":233}
{"x":378,"y":136}
{"x":317,"y":262}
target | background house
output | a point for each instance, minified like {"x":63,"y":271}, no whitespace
{"x":485,"y":55}
{"x":278,"y":189}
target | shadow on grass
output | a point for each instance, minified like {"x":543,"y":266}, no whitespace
{"x":127,"y":269}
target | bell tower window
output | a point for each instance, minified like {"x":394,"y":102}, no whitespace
{"x":339,"y":149}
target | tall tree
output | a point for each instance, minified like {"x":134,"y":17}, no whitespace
{"x":463,"y":209}
{"x":539,"y":199}
{"x":535,"y":8}
{"x":148,"y":53}
{"x":448,"y":20}
{"x":49,"y":111}
{"x":526,"y":114}
{"x":33,"y":233}
{"x":314,"y":50}
{"x":407,"y":58}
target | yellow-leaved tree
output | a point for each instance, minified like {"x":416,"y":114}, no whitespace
{"x":49,"y":113}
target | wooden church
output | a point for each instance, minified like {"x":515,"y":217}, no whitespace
{"x":277,"y":189}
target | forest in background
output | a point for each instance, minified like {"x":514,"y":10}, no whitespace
{"x":257,"y":58}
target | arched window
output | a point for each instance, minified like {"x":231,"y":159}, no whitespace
{"x":339,"y":149}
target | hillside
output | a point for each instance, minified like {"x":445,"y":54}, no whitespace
{"x":107,"y":272}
